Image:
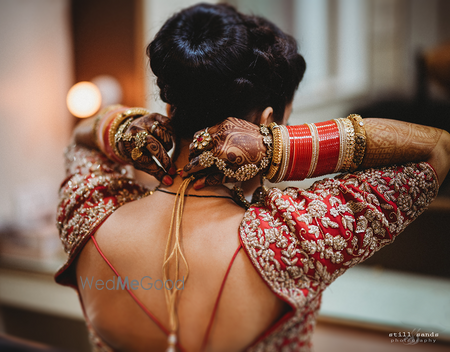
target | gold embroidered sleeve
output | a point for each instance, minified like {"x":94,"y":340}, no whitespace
{"x":302,"y":240}
{"x":93,"y":189}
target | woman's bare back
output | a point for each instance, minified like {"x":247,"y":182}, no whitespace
{"x":134,"y":239}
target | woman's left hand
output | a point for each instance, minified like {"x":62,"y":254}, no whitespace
{"x":235,"y":141}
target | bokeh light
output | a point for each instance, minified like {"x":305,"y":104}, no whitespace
{"x":84,"y":99}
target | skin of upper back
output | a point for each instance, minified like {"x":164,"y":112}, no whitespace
{"x":134,"y":238}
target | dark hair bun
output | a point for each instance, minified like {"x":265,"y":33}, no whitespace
{"x":212,"y":62}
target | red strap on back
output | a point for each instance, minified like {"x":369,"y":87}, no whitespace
{"x":146,"y":311}
{"x":152,"y":317}
{"x":216,"y":305}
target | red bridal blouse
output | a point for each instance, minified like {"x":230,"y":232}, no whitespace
{"x":299,"y":241}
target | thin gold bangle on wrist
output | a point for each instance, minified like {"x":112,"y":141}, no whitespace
{"x":360,"y":140}
{"x":121,"y":117}
{"x":349,"y":144}
{"x":277,"y":151}
{"x":286,"y":154}
{"x":120,"y":135}
{"x":119,"y":125}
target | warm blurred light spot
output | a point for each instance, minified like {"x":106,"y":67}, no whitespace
{"x":84,"y":99}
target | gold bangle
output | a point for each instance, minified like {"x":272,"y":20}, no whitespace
{"x":349,"y":144}
{"x":112,"y":133}
{"x":360,"y":140}
{"x":97,"y":122}
{"x":286,"y":154}
{"x":120,"y":135}
{"x":116,"y":130}
{"x":277,"y":151}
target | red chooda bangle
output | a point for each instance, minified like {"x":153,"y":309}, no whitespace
{"x":314,"y":150}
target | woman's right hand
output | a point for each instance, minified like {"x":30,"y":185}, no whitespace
{"x":151,"y":158}
{"x":235,"y":141}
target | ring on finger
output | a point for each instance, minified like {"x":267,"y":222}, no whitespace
{"x":155,"y":124}
{"x":202,"y":140}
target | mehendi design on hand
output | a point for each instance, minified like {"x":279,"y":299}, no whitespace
{"x":148,"y":153}
{"x":237,"y":142}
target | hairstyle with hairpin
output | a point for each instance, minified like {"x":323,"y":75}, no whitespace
{"x":212,"y":62}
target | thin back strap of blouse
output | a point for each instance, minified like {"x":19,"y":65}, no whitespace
{"x":139,"y":303}
{"x":216,"y":305}
{"x":152,"y":317}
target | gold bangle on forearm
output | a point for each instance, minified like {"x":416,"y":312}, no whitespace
{"x":286,"y":154}
{"x":119,"y":135}
{"x":277,"y":151}
{"x":99,"y":116}
{"x":360,"y":140}
{"x":101,"y":129}
{"x":348,"y":145}
{"x":120,"y":125}
{"x":118,"y":120}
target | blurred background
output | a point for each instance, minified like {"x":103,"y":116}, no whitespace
{"x":383,"y":58}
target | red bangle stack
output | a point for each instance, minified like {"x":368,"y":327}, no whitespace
{"x":300,"y":139}
{"x":329,"y":148}
{"x":314,"y":150}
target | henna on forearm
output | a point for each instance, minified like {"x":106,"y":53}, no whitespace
{"x":388,"y":142}
{"x":395,"y":142}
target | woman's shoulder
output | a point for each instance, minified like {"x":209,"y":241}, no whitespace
{"x":301,"y":240}
{"x":94,"y":188}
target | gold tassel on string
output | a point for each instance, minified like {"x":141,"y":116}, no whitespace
{"x":172,"y":256}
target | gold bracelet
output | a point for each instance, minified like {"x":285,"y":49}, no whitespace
{"x":286,"y":154}
{"x":277,"y":151}
{"x":349,"y":144}
{"x":98,"y":121}
{"x":360,"y":140}
{"x":121,"y":117}
{"x":116,"y":132}
{"x":120,"y":135}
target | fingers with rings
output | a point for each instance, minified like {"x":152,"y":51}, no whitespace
{"x":202,"y":139}
{"x":155,"y":124}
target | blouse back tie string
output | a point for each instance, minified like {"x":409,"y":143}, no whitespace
{"x":172,"y":256}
